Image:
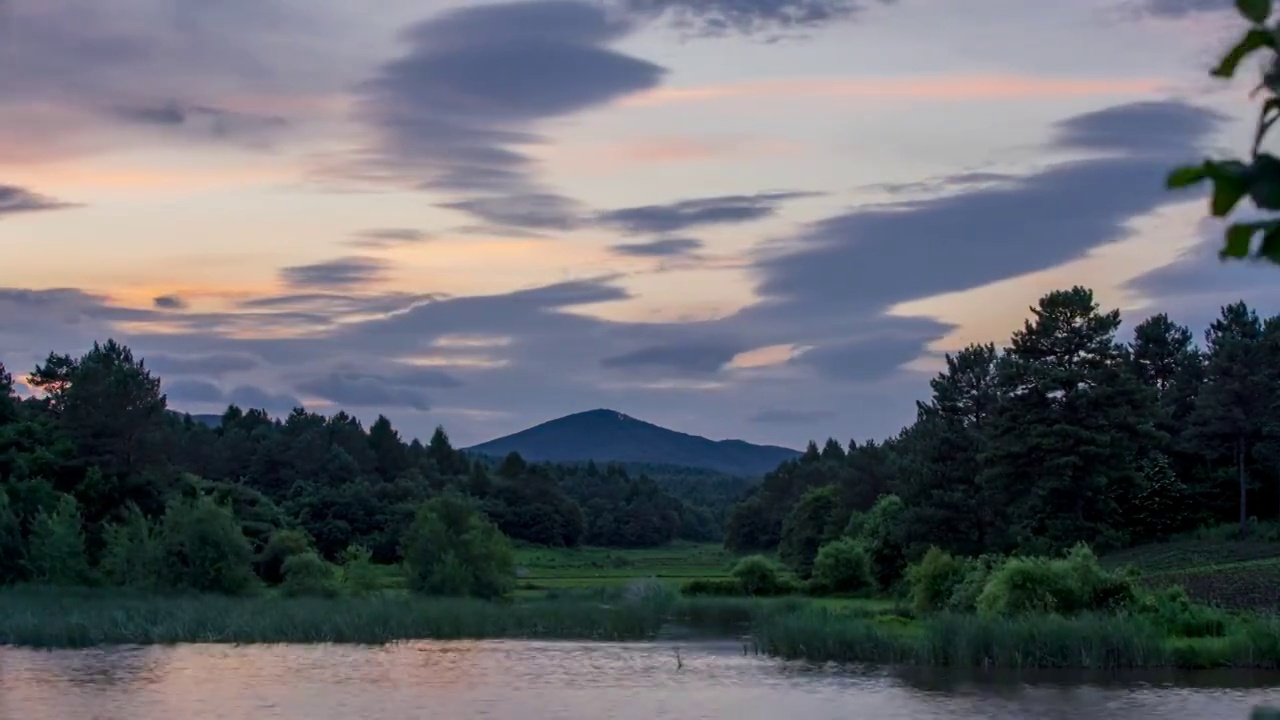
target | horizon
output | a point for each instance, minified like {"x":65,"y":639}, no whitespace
{"x":484,"y":215}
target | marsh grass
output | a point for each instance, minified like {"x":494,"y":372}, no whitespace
{"x":1033,"y":641}
{"x":47,"y":618}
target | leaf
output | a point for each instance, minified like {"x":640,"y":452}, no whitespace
{"x":1227,"y":192}
{"x":1255,"y":10}
{"x":1185,"y":176}
{"x":1238,"y":238}
{"x":1252,"y":41}
{"x":1264,"y":187}
{"x":1270,"y":250}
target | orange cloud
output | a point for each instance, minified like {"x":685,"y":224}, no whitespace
{"x":916,"y":88}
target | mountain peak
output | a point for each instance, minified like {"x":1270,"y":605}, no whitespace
{"x":607,"y":435}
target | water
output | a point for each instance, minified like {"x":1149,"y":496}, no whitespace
{"x":570,"y":681}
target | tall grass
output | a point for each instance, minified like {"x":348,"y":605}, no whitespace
{"x":36,"y":617}
{"x":1030,"y":641}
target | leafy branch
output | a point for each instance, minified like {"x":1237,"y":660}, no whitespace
{"x":1258,"y":178}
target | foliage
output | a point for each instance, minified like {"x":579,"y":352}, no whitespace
{"x":307,"y":574}
{"x":13,"y":566}
{"x":1071,"y":585}
{"x":358,"y":574}
{"x":934,"y":579}
{"x":133,"y":553}
{"x":204,"y":548}
{"x":1176,"y":614}
{"x":283,"y":545}
{"x":1258,"y":177}
{"x":813,"y":521}
{"x":56,"y":553}
{"x":451,"y":549}
{"x":712,"y":587}
{"x":842,"y":566}
{"x":880,"y":531}
{"x":759,"y":575}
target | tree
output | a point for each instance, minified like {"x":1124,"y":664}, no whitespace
{"x":812,"y":522}
{"x":204,"y":548}
{"x":56,"y":554}
{"x":132,"y":556}
{"x":388,"y":449}
{"x":1230,"y":410}
{"x":1258,"y":178}
{"x":842,"y":566}
{"x":1071,"y":423}
{"x":13,"y":565}
{"x":451,"y":549}
{"x":109,"y":405}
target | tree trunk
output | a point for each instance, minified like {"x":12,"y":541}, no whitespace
{"x":1244,"y":487}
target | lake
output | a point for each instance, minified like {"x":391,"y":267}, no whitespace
{"x":510,"y":680}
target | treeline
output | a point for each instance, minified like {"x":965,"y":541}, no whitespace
{"x":100,"y":433}
{"x":1067,"y":435}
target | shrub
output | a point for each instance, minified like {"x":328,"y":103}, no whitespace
{"x":359,"y":576}
{"x":842,"y":566}
{"x":282,"y":545}
{"x":132,"y":552}
{"x":715,"y":588}
{"x":758,"y":575}
{"x":934,"y":579}
{"x":1172,"y":610}
{"x":56,"y":551}
{"x":204,"y":548}
{"x":451,"y":549}
{"x":1070,"y":585}
{"x":964,"y":598}
{"x":307,"y":574}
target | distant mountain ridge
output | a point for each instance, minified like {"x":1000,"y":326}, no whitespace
{"x":610,"y":436}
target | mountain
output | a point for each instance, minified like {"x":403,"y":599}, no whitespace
{"x":610,"y":436}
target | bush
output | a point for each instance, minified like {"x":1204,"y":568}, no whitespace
{"x":964,"y":598}
{"x":1066,"y":586}
{"x":308,"y":575}
{"x":1172,"y":610}
{"x":359,"y":576}
{"x":56,"y":551}
{"x":132,"y":554}
{"x":714,"y":588}
{"x":204,"y":548}
{"x":759,"y":575}
{"x":842,"y":566}
{"x":935,"y":578}
{"x":451,"y":549}
{"x":282,"y":545}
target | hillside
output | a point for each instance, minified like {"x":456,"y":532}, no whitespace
{"x":610,"y":436}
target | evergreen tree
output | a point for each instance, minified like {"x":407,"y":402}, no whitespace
{"x":1073,"y":420}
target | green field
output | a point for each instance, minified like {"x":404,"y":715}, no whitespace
{"x":541,"y":569}
{"x":1235,"y":575}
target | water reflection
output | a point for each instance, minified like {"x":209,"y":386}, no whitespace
{"x":553,"y":681}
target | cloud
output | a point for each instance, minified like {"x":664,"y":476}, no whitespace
{"x":214,"y":364}
{"x":721,"y":17}
{"x":791,"y":417}
{"x":192,"y":391}
{"x":1182,"y":8}
{"x":389,"y":237}
{"x":14,"y":199}
{"x":869,"y":259}
{"x":203,"y":120}
{"x":169,"y":302}
{"x":869,"y":358}
{"x":343,"y":272}
{"x":249,"y":396}
{"x":452,"y":112}
{"x":686,"y":214}
{"x":665,"y":247}
{"x":396,"y":388}
{"x":702,"y":357}
{"x":545,"y":211}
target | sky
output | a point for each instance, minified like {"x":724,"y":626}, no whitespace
{"x":755,"y":219}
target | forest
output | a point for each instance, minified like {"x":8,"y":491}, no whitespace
{"x":100,"y":442}
{"x":1067,"y":435}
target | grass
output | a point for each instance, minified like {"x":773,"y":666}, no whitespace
{"x":542,"y":569}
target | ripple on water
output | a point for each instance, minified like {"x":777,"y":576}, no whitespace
{"x":565,"y":680}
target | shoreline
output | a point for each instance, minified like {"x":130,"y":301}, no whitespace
{"x":784,"y":628}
